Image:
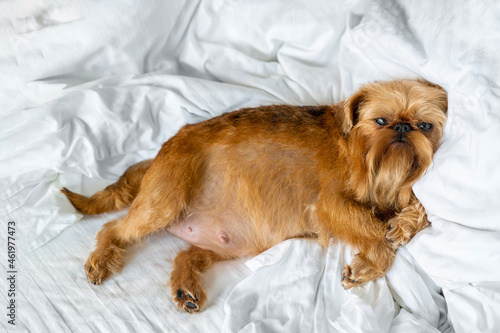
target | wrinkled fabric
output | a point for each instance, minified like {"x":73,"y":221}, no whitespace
{"x":296,"y":287}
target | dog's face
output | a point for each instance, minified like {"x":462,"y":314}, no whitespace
{"x":392,"y":131}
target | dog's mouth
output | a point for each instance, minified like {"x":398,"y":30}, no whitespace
{"x":400,"y":140}
{"x":398,"y":143}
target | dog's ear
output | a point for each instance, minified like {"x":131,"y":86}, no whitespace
{"x":430,"y":84}
{"x":348,"y":111}
{"x":442,"y":99}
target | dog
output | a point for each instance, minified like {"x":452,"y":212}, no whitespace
{"x":237,"y":184}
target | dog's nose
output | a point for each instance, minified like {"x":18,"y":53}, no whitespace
{"x":402,"y":127}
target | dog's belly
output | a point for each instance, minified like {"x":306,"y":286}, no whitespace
{"x":214,"y":234}
{"x":251,"y":197}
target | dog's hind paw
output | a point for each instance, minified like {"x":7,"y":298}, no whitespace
{"x":187,"y":301}
{"x":101,"y":264}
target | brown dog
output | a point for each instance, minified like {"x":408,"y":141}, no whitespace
{"x":242,"y":182}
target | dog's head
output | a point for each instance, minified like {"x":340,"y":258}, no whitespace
{"x":392,"y":131}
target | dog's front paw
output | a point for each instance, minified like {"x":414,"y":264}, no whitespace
{"x":348,"y":280}
{"x":368,"y":266}
{"x":396,"y":234}
{"x":101,"y":263}
{"x":399,"y":232}
{"x":410,"y":221}
{"x":188,"y":301}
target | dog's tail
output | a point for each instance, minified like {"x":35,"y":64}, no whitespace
{"x":114,"y":197}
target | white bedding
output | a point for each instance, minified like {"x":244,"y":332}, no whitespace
{"x":89,"y":88}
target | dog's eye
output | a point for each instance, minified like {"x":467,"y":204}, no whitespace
{"x":426,"y":127}
{"x":381,"y":121}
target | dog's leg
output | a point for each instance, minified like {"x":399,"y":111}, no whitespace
{"x":357,"y":226}
{"x":145,"y":216}
{"x":185,"y":280}
{"x":407,"y":224}
{"x":165,"y":194}
{"x":107,"y":258}
{"x":373,"y":261}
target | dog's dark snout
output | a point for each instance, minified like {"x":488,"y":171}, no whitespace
{"x":402,"y":127}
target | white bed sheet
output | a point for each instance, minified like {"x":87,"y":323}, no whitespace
{"x":88,"y":89}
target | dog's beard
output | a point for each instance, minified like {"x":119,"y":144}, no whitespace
{"x":393,"y":165}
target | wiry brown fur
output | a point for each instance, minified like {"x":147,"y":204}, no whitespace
{"x":114,"y":197}
{"x":242,"y":182}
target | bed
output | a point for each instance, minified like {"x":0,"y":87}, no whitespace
{"x":90,"y":88}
